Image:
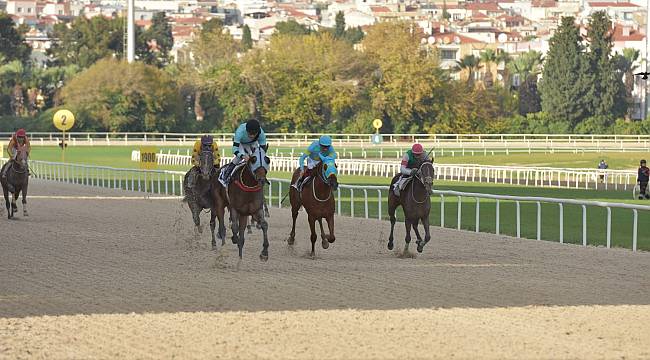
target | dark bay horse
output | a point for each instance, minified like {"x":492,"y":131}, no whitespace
{"x":16,"y":182}
{"x":204,"y":196}
{"x":244,"y":197}
{"x":415,"y":203}
{"x":317,"y":199}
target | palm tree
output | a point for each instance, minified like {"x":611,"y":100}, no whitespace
{"x":488,"y":57}
{"x":471,"y":64}
{"x":529,"y":63}
{"x":505,"y":58}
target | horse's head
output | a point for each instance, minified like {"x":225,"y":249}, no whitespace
{"x":206,"y":164}
{"x":259,"y":165}
{"x":22,"y":156}
{"x":329,"y":172}
{"x":425,"y":175}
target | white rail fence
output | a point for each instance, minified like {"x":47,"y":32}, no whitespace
{"x":513,"y":175}
{"x":470,"y":142}
{"x":358,"y":201}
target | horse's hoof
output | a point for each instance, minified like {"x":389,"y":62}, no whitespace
{"x":264,"y":258}
{"x":312,"y":256}
{"x":325,"y":244}
{"x":420,"y":248}
{"x":234,"y":240}
{"x":331,"y":239}
{"x":291,"y":240}
{"x":390,"y":245}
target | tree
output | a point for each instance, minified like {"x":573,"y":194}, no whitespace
{"x":608,"y":99}
{"x":526,"y":64}
{"x":354,"y":35}
{"x":471,"y":64}
{"x":409,"y":87}
{"x":626,"y":64}
{"x":504,"y":58}
{"x":290,"y":27}
{"x":212,"y":25}
{"x":565,"y":87}
{"x":87,"y":40}
{"x":529,"y":99}
{"x":488,"y":57}
{"x":339,"y":29}
{"x":142,"y":98}
{"x":247,"y":40}
{"x":157,"y":41}
{"x":445,"y":14}
{"x":12,"y":42}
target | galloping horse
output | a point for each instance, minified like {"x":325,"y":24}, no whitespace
{"x":244,"y":197}
{"x":16,"y":182}
{"x":204,"y":196}
{"x":318,"y":202}
{"x":415,"y":202}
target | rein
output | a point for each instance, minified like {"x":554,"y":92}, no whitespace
{"x":417,"y":176}
{"x":246,"y":188}
{"x":313,"y":186}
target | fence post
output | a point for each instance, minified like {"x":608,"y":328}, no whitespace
{"x":442,"y":210}
{"x":351,"y":202}
{"x":609,"y":227}
{"x":539,"y":221}
{"x":379,"y":204}
{"x":365,"y":200}
{"x":561,"y":223}
{"x":339,"y":201}
{"x":584,"y":225}
{"x":518,"y":220}
{"x":460,"y":208}
{"x":497,"y":218}
{"x":478,"y":214}
{"x":634,"y":231}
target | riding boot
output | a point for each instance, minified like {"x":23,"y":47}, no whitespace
{"x":298,"y":184}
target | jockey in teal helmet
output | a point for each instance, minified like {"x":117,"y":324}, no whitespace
{"x":319,"y":149}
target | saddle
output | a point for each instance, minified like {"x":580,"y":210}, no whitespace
{"x":225,"y":176}
{"x":401,"y":183}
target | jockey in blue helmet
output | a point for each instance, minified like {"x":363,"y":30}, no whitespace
{"x":318,"y":149}
{"x":248,"y":137}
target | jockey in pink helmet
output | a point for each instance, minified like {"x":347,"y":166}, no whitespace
{"x":410,"y":162}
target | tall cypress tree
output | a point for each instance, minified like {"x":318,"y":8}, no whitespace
{"x":565,"y":86}
{"x":247,"y":39}
{"x":339,"y":29}
{"x":609,"y":91}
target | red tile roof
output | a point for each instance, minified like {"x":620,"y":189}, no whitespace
{"x":488,"y":6}
{"x":379,"y":9}
{"x":612,"y":4}
{"x":188,"y":21}
{"x":544,"y":3}
{"x":479,"y":15}
{"x":635,"y":35}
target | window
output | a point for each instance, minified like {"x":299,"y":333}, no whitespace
{"x":448,"y":54}
{"x":628,"y":16}
{"x":29,"y":10}
{"x":19,"y":10}
{"x":60,"y":12}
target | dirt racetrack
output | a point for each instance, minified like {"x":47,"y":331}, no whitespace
{"x":124,"y":278}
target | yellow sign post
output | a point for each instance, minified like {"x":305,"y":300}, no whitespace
{"x":376,"y":139}
{"x":148,"y":159}
{"x":64,"y":121}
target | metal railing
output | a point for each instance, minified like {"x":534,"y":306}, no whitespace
{"x":359,"y":201}
{"x":476,"y":141}
{"x":578,"y":178}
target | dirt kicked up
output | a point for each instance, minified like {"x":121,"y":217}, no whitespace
{"x":84,"y":277}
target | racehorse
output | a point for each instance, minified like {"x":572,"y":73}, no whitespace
{"x":16,"y":182}
{"x":244,"y":197}
{"x":415,"y":203}
{"x":317,"y":200}
{"x":204,"y":196}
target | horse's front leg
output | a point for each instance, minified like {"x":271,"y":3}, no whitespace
{"x":313,"y":236}
{"x":234,"y":224}
{"x":417,"y":232}
{"x":14,"y":206}
{"x":243,"y":219}
{"x":24,"y":191}
{"x":427,"y":235}
{"x":323,"y":237}
{"x":7,"y":203}
{"x":213,"y":216}
{"x":265,"y":227}
{"x":392,"y":206}
{"x":330,"y":224}
{"x":407,"y":238}
{"x":221,"y":210}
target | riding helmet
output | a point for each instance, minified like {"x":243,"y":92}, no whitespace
{"x":206,"y":140}
{"x":417,"y":149}
{"x":642,"y":161}
{"x":325,"y":140}
{"x":21,"y":133}
{"x":253,"y":126}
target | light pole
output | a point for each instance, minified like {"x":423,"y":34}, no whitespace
{"x":130,"y":30}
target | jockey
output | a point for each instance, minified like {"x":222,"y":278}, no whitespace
{"x":18,"y":139}
{"x":206,"y":142}
{"x":315,"y":153}
{"x":248,"y":137}
{"x":410,"y":162}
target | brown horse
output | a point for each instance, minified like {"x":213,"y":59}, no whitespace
{"x":203,"y":195}
{"x":244,"y":197}
{"x":318,"y":201}
{"x":415,"y":203}
{"x":16,"y":182}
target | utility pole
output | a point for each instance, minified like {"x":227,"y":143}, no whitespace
{"x":130,"y":28}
